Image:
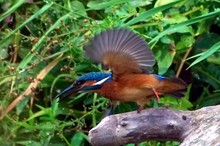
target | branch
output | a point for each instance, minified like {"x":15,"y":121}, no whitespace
{"x":188,"y":127}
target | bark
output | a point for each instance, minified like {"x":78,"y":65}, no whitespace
{"x":194,"y":128}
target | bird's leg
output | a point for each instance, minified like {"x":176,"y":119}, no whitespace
{"x":111,"y":107}
{"x":140,"y":108}
{"x":156,"y":94}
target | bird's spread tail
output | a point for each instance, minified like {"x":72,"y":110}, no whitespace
{"x":173,"y":86}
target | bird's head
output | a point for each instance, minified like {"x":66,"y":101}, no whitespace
{"x":88,"y":82}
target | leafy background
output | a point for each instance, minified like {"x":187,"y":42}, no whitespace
{"x":41,"y":54}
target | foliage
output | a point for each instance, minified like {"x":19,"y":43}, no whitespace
{"x":41,"y":53}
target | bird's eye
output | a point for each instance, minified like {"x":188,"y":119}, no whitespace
{"x":77,"y":83}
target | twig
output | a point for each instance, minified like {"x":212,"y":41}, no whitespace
{"x":183,"y":61}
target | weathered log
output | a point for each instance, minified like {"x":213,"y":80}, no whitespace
{"x":200,"y":127}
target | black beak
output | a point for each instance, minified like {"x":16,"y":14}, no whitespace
{"x":71,"y":90}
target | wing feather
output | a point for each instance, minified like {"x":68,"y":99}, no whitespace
{"x":122,"y":51}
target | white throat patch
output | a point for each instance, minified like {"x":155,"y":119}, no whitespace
{"x":101,"y":81}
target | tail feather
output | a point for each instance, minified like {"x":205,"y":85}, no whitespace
{"x":175,"y":87}
{"x":178,"y":94}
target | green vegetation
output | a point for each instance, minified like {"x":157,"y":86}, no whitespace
{"x":41,"y":54}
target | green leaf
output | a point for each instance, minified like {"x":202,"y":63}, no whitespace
{"x":20,"y":106}
{"x":164,"y":59}
{"x":173,"y":19}
{"x":163,"y":2}
{"x":209,"y":100}
{"x":54,"y":107}
{"x":78,"y":8}
{"x":182,"y":103}
{"x":146,"y":14}
{"x":185,"y":29}
{"x":126,"y":11}
{"x":78,"y":139}
{"x":186,"y":41}
{"x":166,"y":40}
{"x":138,"y":3}
{"x":44,"y":111}
{"x":175,"y":28}
{"x":214,"y":59}
{"x":29,"y":143}
{"x":6,"y":79}
{"x":3,"y":53}
{"x":97,"y":5}
{"x":126,"y":107}
{"x":206,"y":54}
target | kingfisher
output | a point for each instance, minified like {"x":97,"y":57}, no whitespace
{"x":131,"y":62}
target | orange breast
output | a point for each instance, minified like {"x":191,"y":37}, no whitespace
{"x":138,"y":88}
{"x":131,"y":87}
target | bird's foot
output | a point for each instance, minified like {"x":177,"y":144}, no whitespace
{"x":156,"y":94}
{"x":140,"y":108}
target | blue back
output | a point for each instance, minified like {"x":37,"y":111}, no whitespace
{"x":97,"y":76}
{"x":159,"y":77}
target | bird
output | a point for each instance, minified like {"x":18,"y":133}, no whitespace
{"x":130,"y":61}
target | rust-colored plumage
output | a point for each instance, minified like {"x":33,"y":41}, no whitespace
{"x":130,"y":60}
